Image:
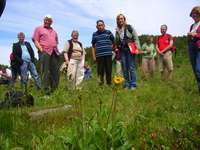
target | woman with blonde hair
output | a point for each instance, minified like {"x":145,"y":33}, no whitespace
{"x":194,"y":43}
{"x":124,"y":34}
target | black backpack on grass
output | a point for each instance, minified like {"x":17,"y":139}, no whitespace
{"x":16,"y":99}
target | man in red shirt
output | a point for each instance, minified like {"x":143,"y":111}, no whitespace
{"x":164,"y":44}
{"x":46,"y":40}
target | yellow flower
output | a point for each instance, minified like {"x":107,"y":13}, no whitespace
{"x":118,"y":80}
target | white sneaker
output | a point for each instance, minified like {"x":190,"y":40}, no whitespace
{"x":133,"y":88}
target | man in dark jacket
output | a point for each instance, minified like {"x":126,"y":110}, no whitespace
{"x":24,"y":56}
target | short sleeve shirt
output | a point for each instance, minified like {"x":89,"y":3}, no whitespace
{"x":103,"y":41}
{"x":47,"y":38}
{"x":163,"y":41}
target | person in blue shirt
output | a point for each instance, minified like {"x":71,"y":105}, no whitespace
{"x":102,"y":44}
{"x":24,"y":56}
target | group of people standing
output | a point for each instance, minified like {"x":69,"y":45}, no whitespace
{"x":104,"y":43}
{"x":45,"y":39}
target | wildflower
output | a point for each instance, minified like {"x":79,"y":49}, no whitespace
{"x":118,"y":80}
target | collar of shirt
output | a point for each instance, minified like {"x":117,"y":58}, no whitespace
{"x":22,"y":43}
{"x":100,"y":32}
{"x":119,"y":30}
{"x":195,"y":27}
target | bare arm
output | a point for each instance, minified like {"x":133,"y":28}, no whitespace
{"x":157,"y":49}
{"x":93,"y":53}
{"x":66,"y":58}
{"x":66,"y":49}
{"x":169,"y":46}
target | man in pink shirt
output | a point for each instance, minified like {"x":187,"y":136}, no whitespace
{"x":46,"y":40}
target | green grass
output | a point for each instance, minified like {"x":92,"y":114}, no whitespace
{"x":157,"y":115}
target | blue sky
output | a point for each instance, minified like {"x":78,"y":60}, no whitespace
{"x":145,"y":15}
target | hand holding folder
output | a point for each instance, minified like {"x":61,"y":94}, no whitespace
{"x":133,"y":48}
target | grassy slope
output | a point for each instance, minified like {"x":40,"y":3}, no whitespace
{"x":158,"y":115}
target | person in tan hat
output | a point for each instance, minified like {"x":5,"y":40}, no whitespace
{"x":194,"y":43}
{"x":46,"y":40}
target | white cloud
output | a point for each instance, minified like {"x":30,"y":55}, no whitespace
{"x":146,"y":16}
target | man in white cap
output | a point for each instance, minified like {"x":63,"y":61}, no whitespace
{"x":46,"y":40}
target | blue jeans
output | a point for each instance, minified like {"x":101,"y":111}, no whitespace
{"x":128,"y":68}
{"x":29,"y":66}
{"x":194,"y":54}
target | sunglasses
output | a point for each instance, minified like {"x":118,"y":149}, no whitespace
{"x":194,"y":15}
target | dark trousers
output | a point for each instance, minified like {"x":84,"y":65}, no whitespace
{"x":4,"y":81}
{"x":50,"y":71}
{"x":104,"y":65}
{"x":15,"y":72}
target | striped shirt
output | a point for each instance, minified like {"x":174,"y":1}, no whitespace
{"x":103,"y":41}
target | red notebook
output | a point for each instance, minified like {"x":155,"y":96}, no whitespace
{"x":133,"y":48}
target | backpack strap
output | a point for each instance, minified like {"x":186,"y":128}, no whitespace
{"x":169,"y":37}
{"x":80,"y":44}
{"x":70,"y":49}
{"x":130,"y":29}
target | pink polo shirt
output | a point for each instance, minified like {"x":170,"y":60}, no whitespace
{"x":47,"y":38}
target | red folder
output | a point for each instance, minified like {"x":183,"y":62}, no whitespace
{"x":133,"y":48}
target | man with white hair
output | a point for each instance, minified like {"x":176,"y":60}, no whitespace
{"x":46,"y":40}
{"x":25,"y":59}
